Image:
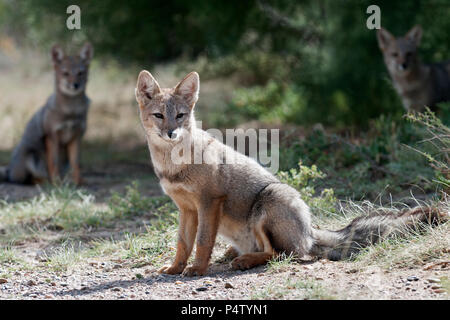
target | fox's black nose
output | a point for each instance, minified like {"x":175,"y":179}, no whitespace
{"x":170,"y":133}
{"x":76,"y":85}
{"x":404,"y":65}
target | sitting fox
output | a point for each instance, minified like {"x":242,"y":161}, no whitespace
{"x":52,"y":137}
{"x":419,"y":85}
{"x":232,"y":195}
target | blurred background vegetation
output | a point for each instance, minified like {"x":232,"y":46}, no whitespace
{"x":300,"y":62}
{"x":309,"y":67}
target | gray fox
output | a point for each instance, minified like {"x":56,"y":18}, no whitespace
{"x":52,"y":137}
{"x":419,"y":85}
{"x":232,"y":195}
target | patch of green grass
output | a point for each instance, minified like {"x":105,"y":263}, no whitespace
{"x":280,"y":263}
{"x":65,"y":257}
{"x":8,"y":255}
{"x":153,"y":247}
{"x":60,"y":215}
{"x":293,"y":288}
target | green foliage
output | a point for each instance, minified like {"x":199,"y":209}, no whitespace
{"x":271,"y":102}
{"x":302,"y":179}
{"x":299,"y":61}
{"x":364,"y":164}
{"x":439,"y":141}
{"x":133,"y":203}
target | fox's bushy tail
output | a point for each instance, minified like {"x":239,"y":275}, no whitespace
{"x":367,"y":230}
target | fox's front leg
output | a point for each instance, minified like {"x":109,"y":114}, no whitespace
{"x":52,"y":145}
{"x":186,"y":237}
{"x":208,"y":218}
{"x":73,"y":151}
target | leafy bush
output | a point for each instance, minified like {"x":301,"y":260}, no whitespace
{"x":364,"y":164}
{"x":302,"y":179}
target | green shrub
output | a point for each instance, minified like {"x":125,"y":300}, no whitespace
{"x":302,"y":179}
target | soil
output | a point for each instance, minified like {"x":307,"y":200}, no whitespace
{"x":117,"y":279}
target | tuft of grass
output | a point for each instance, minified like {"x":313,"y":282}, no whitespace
{"x":8,"y":255}
{"x":409,"y":250}
{"x":292,"y":288}
{"x":280,"y":263}
{"x":65,"y":258}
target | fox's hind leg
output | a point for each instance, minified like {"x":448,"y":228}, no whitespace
{"x":17,"y":170}
{"x":282,"y":226}
{"x":36,"y":166}
{"x":250,"y":260}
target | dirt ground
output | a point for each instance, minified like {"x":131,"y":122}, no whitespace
{"x":330,"y":280}
{"x":118,"y":279}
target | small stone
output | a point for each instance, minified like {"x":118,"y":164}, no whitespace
{"x":434,"y":280}
{"x":412,"y":278}
{"x":228,"y":285}
{"x":178,"y":282}
{"x":49,"y":296}
{"x":116,"y":289}
{"x":436,"y":286}
{"x":31,"y":283}
{"x":3,"y":281}
{"x":319,"y":278}
{"x":439,"y":291}
{"x":201,"y":289}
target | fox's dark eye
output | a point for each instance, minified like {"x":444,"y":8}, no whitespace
{"x":65,"y":73}
{"x":180,"y":115}
{"x":394,"y":54}
{"x":159,"y":115}
{"x":80,"y":73}
{"x":408,"y":54}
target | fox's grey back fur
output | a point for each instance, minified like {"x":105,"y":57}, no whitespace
{"x":254,"y":200}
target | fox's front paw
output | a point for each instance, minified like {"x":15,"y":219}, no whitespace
{"x":195,"y":271}
{"x":173,"y":269}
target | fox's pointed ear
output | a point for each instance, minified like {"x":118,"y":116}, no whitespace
{"x":188,"y":88}
{"x":57,"y":54}
{"x":384,"y":38}
{"x":415,"y":34}
{"x":146,"y":87}
{"x":87,"y":52}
